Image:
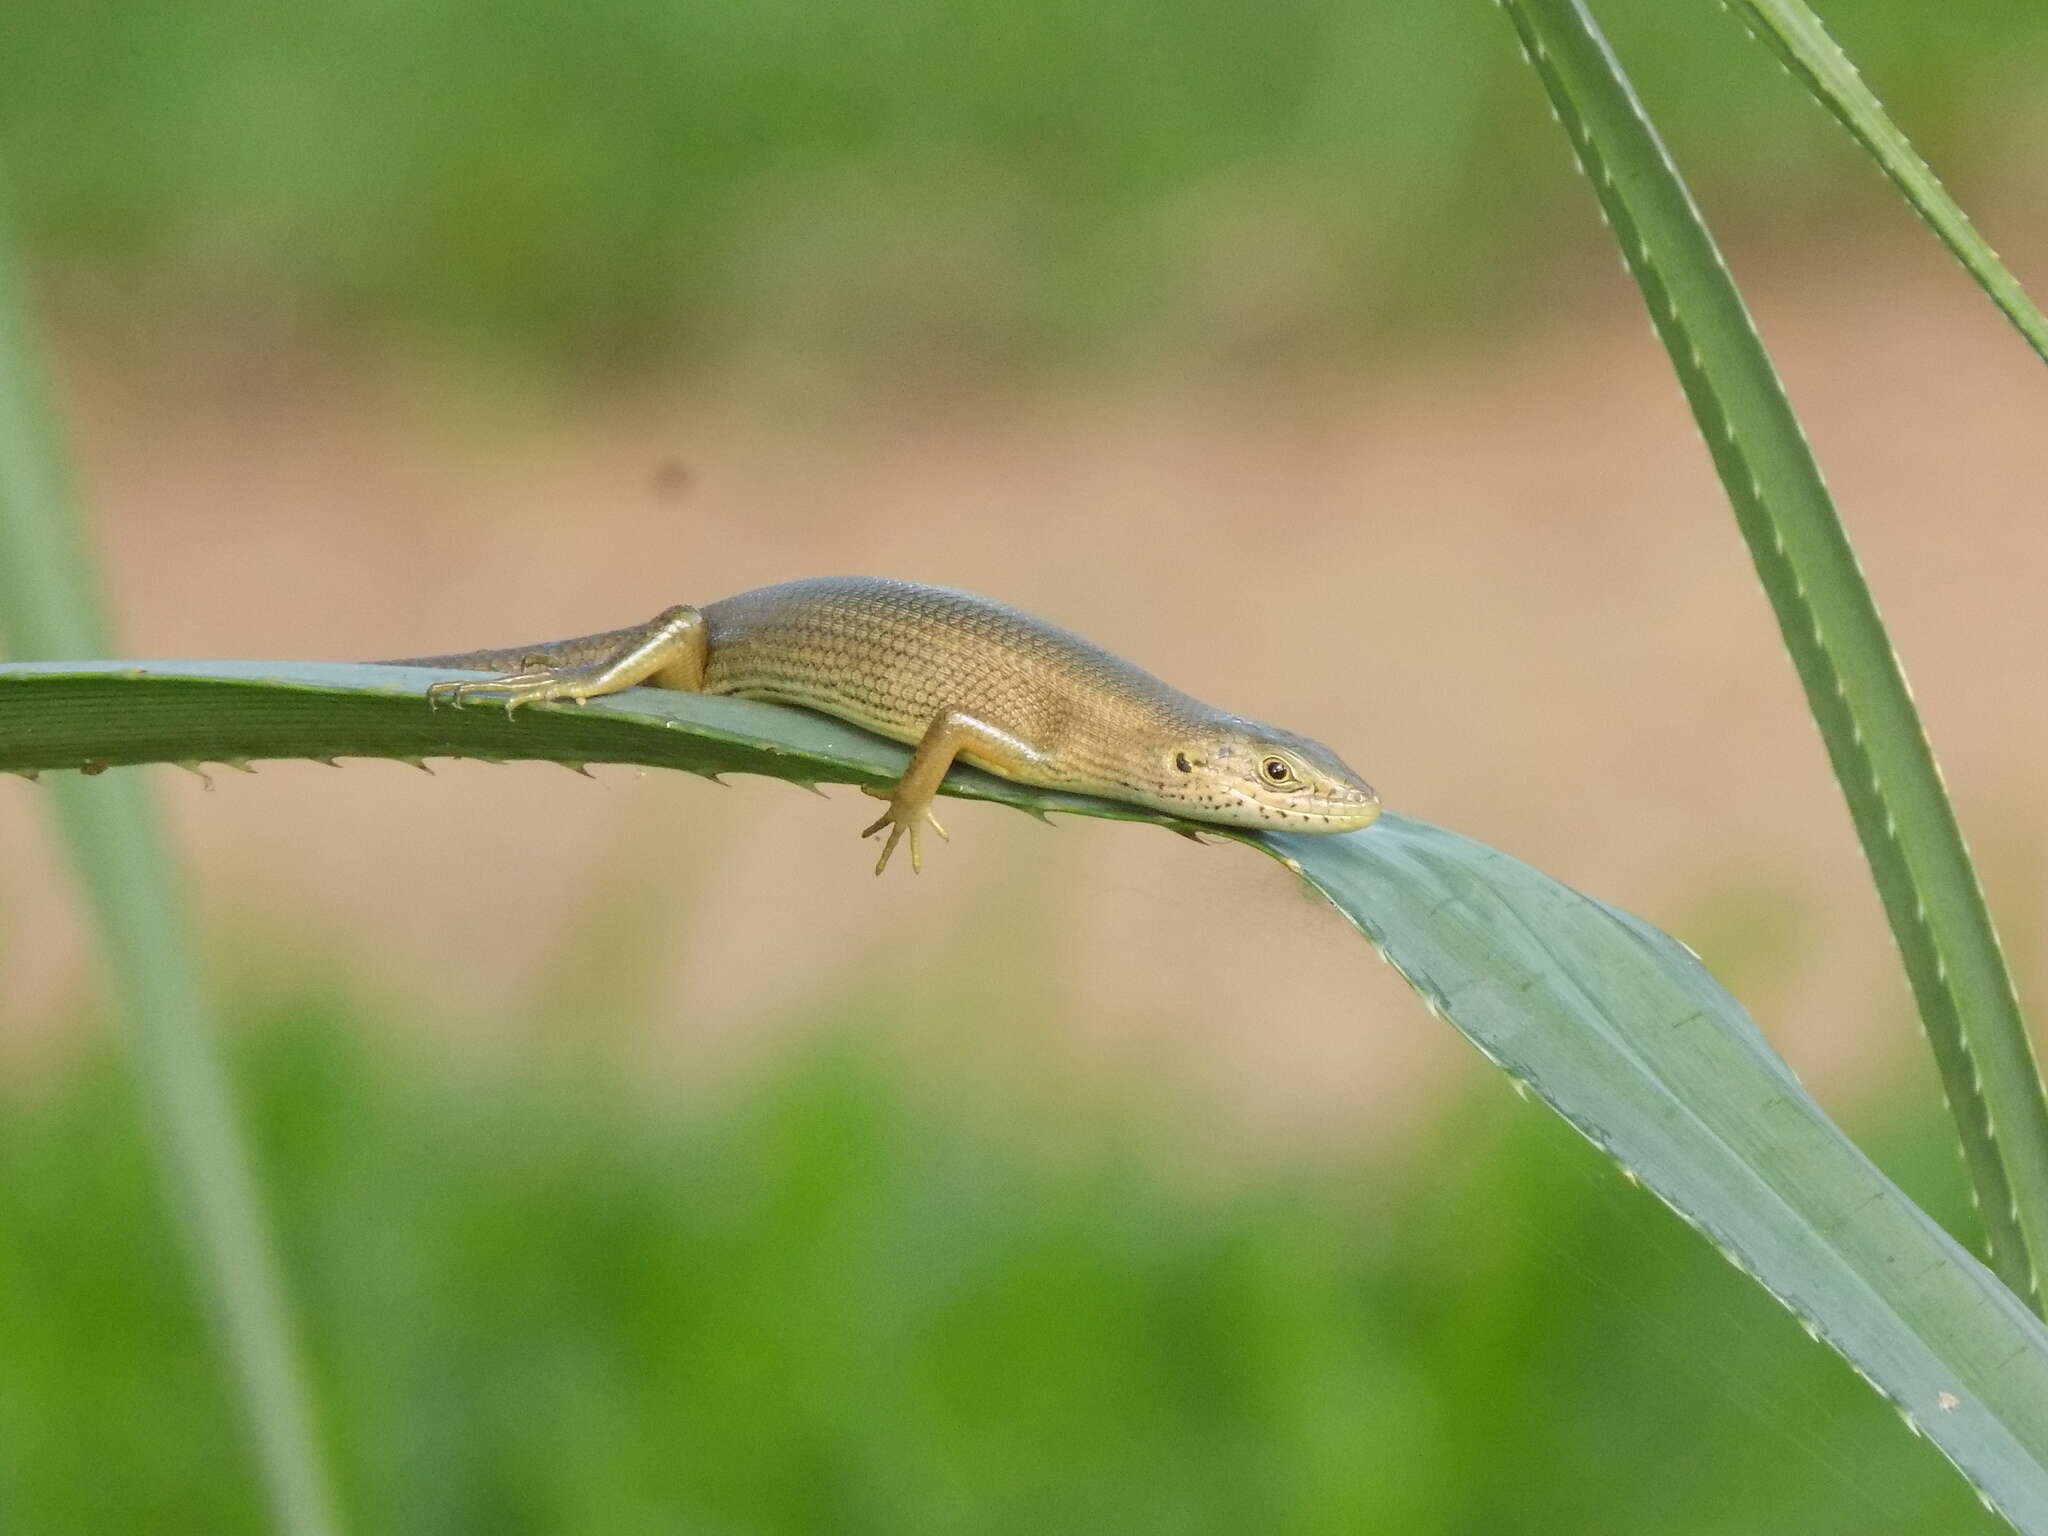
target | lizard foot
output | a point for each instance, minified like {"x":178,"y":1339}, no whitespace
{"x":900,"y":819}
{"x":533,"y":685}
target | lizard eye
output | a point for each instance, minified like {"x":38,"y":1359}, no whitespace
{"x":1180,"y":761}
{"x":1276,"y":770}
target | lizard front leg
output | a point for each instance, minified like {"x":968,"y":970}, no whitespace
{"x":668,"y":651}
{"x":950,"y":735}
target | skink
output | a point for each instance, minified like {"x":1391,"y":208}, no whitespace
{"x":952,"y":675}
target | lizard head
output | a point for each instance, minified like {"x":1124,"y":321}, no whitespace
{"x":1252,"y":775}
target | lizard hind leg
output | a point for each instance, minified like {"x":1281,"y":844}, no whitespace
{"x":950,"y":734}
{"x":668,"y":651}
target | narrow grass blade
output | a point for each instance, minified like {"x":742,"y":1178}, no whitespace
{"x":1853,"y":682}
{"x":1613,"y":1023}
{"x":1791,"y":30}
{"x":49,"y":606}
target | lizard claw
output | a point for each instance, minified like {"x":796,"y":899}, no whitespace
{"x":889,"y":847}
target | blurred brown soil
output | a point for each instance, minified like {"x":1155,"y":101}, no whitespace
{"x":1502,"y":583}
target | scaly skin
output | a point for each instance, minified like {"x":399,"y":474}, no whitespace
{"x":953,"y":675}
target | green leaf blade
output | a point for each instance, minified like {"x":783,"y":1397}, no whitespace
{"x":1853,"y":682}
{"x":1613,"y":1023}
{"x":1620,"y":1029}
{"x":1791,"y":30}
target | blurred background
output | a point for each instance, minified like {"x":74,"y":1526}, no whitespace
{"x":655,"y":1168}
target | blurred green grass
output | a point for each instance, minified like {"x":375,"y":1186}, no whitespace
{"x":642,"y":181}
{"x":546,"y":1296}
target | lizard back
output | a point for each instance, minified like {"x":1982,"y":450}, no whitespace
{"x":892,"y":655}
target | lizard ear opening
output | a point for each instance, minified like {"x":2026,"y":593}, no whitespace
{"x":1180,"y":761}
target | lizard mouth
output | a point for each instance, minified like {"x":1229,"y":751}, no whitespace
{"x":1345,"y":811}
{"x":1358,"y":817}
{"x":1348,"y":815}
